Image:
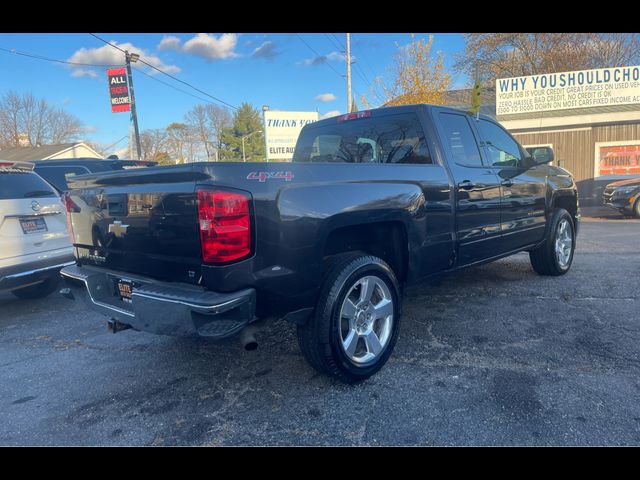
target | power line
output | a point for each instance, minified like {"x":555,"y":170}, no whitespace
{"x":318,"y":56}
{"x":115,"y":143}
{"x":167,"y":74}
{"x":40,"y":57}
{"x":325,"y":62}
{"x":172,"y":86}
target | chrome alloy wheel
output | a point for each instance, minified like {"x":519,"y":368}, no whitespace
{"x":366,"y":320}
{"x":564,"y":243}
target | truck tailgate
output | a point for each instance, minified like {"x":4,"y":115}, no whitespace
{"x":143,"y":222}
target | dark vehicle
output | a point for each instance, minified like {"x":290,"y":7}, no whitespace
{"x":372,"y":200}
{"x":54,"y":171}
{"x":624,"y":196}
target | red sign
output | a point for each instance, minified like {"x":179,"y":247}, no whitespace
{"x":119,"y":89}
{"x":619,"y":160}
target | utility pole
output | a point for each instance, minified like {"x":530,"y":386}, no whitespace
{"x":133,"y":58}
{"x":130,"y":142}
{"x":348,"y":73}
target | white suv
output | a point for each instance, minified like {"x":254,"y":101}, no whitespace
{"x":34,"y":243}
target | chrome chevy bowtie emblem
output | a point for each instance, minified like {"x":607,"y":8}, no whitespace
{"x":117,"y":228}
{"x":35,"y":206}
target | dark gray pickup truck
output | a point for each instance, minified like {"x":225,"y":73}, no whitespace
{"x":372,"y":201}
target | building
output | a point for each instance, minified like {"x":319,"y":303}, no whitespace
{"x":591,"y":119}
{"x":49,"y":152}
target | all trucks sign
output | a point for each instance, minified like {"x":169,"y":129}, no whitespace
{"x":118,"y":89}
{"x":566,"y":90}
{"x":282,"y":130}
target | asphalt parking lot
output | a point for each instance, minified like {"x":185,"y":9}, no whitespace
{"x":494,"y":355}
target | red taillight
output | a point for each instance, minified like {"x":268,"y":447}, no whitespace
{"x":70,"y":207}
{"x":225,"y":227}
{"x":69,"y":204}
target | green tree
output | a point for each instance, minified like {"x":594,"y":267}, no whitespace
{"x":246,"y":120}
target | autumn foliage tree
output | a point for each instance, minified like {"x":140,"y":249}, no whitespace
{"x":417,"y":76}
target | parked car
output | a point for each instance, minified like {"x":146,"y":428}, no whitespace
{"x":33,"y":233}
{"x":624,"y":196}
{"x":372,"y":201}
{"x":54,"y":171}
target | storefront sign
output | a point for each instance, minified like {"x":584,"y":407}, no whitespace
{"x":567,"y":90}
{"x":282,"y":130}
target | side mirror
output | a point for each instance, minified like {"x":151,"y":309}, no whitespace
{"x":541,"y":155}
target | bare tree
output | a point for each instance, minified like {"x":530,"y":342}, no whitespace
{"x":197,"y":121}
{"x":521,"y":54}
{"x":219,"y":118}
{"x":28,"y":121}
{"x":154,"y":144}
{"x":180,"y":143}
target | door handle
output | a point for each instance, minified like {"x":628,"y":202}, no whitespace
{"x":466,"y":185}
{"x":506,"y":183}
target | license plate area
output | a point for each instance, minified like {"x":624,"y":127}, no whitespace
{"x":124,"y":290}
{"x":33,"y":225}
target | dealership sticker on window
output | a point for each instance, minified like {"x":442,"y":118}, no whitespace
{"x":264,"y":176}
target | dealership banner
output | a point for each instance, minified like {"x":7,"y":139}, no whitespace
{"x":282,"y":130}
{"x":618,"y":158}
{"x":566,"y":90}
{"x":118,"y":89}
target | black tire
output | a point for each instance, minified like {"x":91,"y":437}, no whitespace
{"x":320,"y":337}
{"x":543,"y":259}
{"x":636,"y":208}
{"x":38,"y":290}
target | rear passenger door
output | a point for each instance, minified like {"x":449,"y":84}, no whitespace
{"x":477,"y":189}
{"x":523,"y":189}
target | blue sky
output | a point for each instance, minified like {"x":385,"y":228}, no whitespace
{"x":278,"y":70}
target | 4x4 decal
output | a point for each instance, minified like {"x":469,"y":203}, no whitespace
{"x":264,"y":176}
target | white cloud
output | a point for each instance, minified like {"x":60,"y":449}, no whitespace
{"x":210,"y":47}
{"x":83,"y":72}
{"x":108,"y":55}
{"x":325,"y":97}
{"x":89,"y":129}
{"x":332,"y":57}
{"x":332,"y":113}
{"x":169,"y":42}
{"x":266,"y":50}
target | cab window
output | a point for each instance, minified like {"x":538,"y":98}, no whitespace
{"x":387,"y":139}
{"x":502,"y":150}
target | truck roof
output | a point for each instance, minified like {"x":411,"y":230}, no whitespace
{"x":373,"y":112}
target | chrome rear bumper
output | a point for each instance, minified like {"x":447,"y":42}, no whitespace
{"x":161,"y":307}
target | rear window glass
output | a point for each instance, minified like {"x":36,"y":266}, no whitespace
{"x":388,"y":139}
{"x":56,"y":175}
{"x":14,"y":185}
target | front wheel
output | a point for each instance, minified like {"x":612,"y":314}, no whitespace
{"x":555,"y":255}
{"x":355,"y":324}
{"x":636,"y":208}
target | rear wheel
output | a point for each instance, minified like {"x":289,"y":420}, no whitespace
{"x":355,"y":324}
{"x":38,"y":290}
{"x":555,"y":255}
